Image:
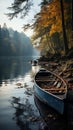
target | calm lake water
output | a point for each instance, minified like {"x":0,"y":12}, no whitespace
{"x":19,"y":109}
{"x":17,"y":106}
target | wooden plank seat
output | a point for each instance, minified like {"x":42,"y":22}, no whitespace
{"x":42,"y":80}
{"x":54,"y":89}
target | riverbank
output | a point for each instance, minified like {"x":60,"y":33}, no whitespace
{"x":62,"y":66}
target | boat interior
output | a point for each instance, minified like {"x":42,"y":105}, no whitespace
{"x":51,"y":83}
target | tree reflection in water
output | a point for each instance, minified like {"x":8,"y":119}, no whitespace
{"x":25,"y":116}
{"x":19,"y":115}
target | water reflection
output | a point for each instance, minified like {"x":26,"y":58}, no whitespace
{"x":53,"y":119}
{"x":21,"y":113}
{"x":17,"y":108}
{"x":35,"y":69}
{"x":13,"y":68}
{"x":26,"y":114}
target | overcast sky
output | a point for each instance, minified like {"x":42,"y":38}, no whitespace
{"x":16,"y":23}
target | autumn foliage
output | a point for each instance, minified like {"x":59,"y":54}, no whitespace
{"x":49,"y":21}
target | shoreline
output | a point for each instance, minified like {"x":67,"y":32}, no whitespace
{"x":64,"y":68}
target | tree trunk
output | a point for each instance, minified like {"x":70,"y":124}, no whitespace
{"x":72,"y":21}
{"x":72,"y":15}
{"x":63,"y":27}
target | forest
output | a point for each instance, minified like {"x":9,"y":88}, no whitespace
{"x":13,"y":43}
{"x":52,"y":25}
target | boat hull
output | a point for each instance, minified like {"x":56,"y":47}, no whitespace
{"x":49,"y":99}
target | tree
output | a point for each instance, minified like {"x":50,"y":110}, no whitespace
{"x":72,"y":20}
{"x":63,"y":24}
{"x":18,"y":8}
{"x":49,"y":20}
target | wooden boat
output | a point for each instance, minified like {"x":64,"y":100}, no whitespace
{"x":51,"y":89}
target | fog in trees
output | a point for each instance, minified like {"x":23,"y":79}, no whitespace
{"x":13,"y":43}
